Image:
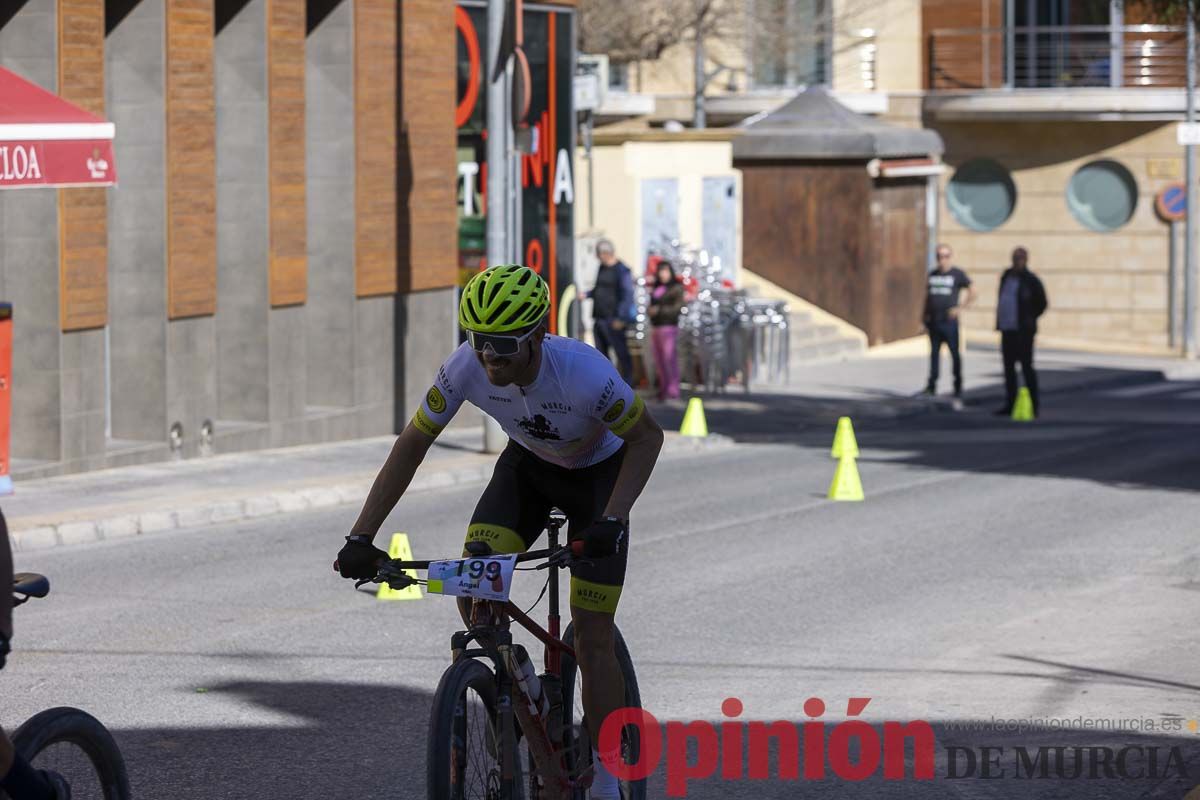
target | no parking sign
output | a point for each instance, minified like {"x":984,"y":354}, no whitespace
{"x":1171,"y":202}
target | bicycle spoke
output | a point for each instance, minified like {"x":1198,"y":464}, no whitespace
{"x":475,"y":769}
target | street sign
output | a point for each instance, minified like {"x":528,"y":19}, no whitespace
{"x":587,"y":92}
{"x":1187,"y":133}
{"x":1171,"y":202}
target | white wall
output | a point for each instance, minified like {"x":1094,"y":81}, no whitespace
{"x":618,"y":172}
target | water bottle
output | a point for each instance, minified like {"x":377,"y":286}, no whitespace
{"x":527,"y":679}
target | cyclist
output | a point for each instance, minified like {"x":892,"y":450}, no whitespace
{"x":20,"y":781}
{"x":579,"y":439}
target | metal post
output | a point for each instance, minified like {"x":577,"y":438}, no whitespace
{"x":497,"y":180}
{"x":1031,"y":43}
{"x":1173,"y":286}
{"x":1116,"y":43}
{"x":1189,"y":230}
{"x":1010,"y":49}
{"x":587,"y":144}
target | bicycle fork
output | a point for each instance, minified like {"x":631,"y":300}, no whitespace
{"x":540,"y":731}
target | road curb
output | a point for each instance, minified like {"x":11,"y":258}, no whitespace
{"x":271,"y":503}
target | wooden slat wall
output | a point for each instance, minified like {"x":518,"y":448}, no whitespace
{"x":794,"y":237}
{"x":375,"y":175}
{"x":285,"y":87}
{"x":82,"y":213}
{"x":899,"y":262}
{"x":191,"y":165}
{"x":429,"y":219}
{"x":962,"y":58}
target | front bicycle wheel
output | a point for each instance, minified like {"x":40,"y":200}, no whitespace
{"x":579,"y":749}
{"x":77,"y":746}
{"x":465,"y":745}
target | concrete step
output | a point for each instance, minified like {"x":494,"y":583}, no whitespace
{"x":834,"y":348}
{"x":814,"y":333}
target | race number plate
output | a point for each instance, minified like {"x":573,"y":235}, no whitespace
{"x":483,"y":578}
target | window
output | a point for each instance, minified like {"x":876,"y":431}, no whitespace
{"x":1102,"y":195}
{"x":981,"y":195}
{"x":789,"y":42}
{"x":618,"y":77}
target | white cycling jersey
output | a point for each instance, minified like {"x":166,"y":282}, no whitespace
{"x":571,"y":415}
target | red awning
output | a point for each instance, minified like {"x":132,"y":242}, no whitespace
{"x":46,"y":141}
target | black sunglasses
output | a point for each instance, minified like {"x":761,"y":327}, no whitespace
{"x":501,"y":344}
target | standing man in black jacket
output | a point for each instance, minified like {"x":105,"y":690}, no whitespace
{"x":613,"y":306}
{"x":1022,"y":300}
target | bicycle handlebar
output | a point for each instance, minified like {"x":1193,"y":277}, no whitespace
{"x":393,"y":571}
{"x":575,"y":548}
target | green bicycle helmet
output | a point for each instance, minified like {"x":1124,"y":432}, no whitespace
{"x":502,"y":299}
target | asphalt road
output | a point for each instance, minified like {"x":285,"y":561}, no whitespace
{"x":995,"y":571}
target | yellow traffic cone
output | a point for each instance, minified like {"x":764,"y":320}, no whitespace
{"x":1022,"y":410}
{"x":844,"y":443}
{"x":846,"y":483}
{"x":399,"y":549}
{"x":693,"y":419}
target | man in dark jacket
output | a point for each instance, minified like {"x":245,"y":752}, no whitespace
{"x":613,"y":306}
{"x":1022,"y":300}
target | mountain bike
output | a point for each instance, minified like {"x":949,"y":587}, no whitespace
{"x":68,"y":741}
{"x":497,"y":731}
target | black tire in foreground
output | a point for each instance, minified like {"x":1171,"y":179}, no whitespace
{"x":76,"y":745}
{"x":579,"y":752}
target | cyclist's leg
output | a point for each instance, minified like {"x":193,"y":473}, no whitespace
{"x":511,"y":512}
{"x":595,"y":590}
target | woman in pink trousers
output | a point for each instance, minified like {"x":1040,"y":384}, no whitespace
{"x":666,"y":301}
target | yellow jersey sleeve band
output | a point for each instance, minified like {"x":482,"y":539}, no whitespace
{"x":424,"y":424}
{"x":594,"y":596}
{"x":501,"y":540}
{"x":626,"y":423}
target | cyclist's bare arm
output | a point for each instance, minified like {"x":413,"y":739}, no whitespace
{"x":393,"y":479}
{"x":643,"y":442}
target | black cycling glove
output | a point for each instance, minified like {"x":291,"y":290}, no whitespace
{"x":607,"y":536}
{"x":359,"y":558}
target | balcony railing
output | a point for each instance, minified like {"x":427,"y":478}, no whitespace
{"x":1057,"y":57}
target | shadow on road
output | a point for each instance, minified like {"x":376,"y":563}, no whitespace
{"x":1082,"y":435}
{"x":343,"y":740}
{"x":336,"y":740}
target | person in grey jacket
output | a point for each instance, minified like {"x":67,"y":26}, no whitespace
{"x":613,"y":306}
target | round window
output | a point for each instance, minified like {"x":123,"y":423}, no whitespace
{"x":1102,"y":195}
{"x":981,"y":195}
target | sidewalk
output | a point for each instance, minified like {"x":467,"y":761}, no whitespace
{"x":888,"y":385}
{"x":139,"y":500}
{"x":144,"y":499}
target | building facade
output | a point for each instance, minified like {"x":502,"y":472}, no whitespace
{"x":1058,"y":119}
{"x":1058,"y":123}
{"x":277,"y":264}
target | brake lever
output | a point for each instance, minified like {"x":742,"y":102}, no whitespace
{"x":564,"y":558}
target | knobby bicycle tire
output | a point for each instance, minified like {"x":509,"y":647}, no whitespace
{"x":71,"y":726}
{"x":635,"y":790}
{"x":465,"y":674}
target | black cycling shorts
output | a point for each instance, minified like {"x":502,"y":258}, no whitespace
{"x":514,"y":507}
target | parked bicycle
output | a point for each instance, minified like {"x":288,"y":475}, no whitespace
{"x":498,"y":731}
{"x":67,"y":741}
